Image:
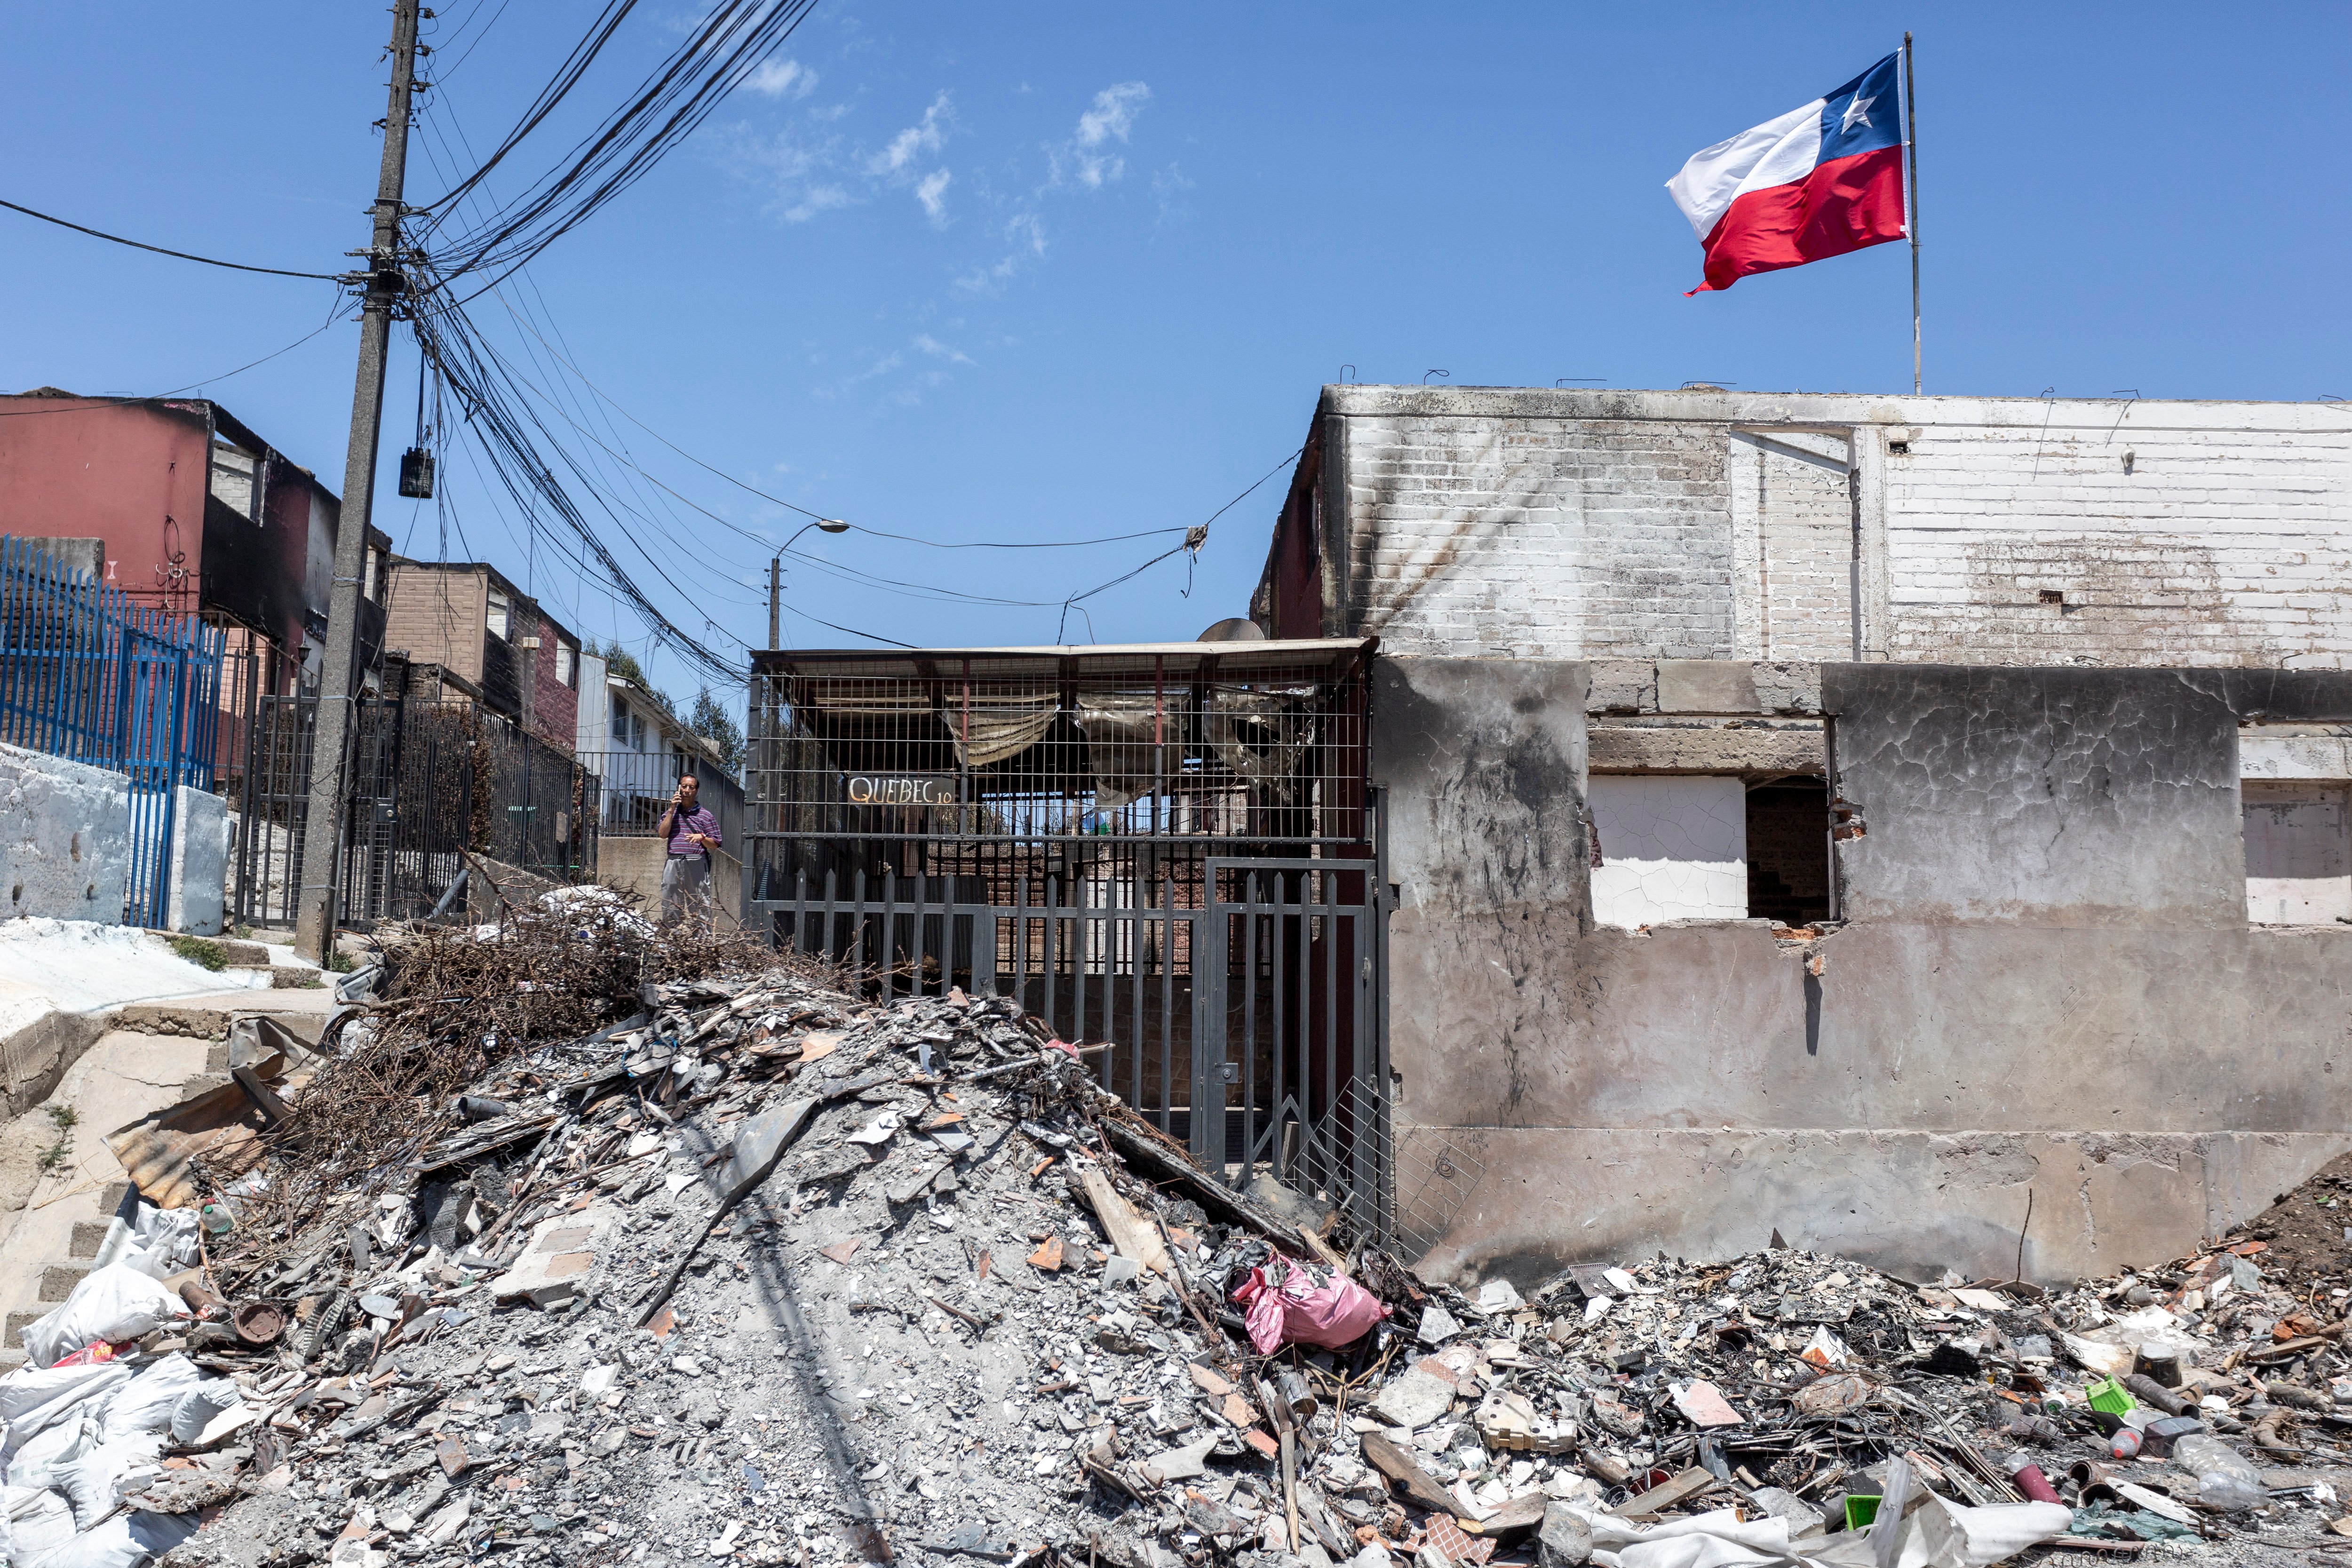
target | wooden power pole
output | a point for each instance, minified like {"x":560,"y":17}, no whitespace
{"x":339,"y":684}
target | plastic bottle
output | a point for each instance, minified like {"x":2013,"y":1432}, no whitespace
{"x":2030,"y":1478}
{"x":2125,"y":1443}
{"x":2224,"y":1479}
{"x":216,"y":1219}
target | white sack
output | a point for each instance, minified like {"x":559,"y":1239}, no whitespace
{"x":117,"y":1302}
{"x":1938,"y":1535}
{"x":39,"y":1522}
{"x":195,"y":1408}
{"x":147,"y":1404}
{"x":34,"y":1399}
{"x":95,"y":1483}
{"x":157,"y":1242}
{"x":124,"y":1542}
{"x":34,"y":1464}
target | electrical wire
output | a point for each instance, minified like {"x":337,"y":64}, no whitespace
{"x":161,"y":250}
{"x":792,"y":505}
{"x":81,"y":404}
{"x":724,"y":47}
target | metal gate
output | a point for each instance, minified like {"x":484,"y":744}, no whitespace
{"x":1237,"y":1002}
{"x":429,"y":781}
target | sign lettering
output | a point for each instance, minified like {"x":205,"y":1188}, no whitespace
{"x":901,"y":789}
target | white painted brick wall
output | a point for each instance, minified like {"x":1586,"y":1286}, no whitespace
{"x":1500,"y":522}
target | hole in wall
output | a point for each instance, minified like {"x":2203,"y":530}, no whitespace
{"x":2054,"y":597}
{"x":1789,"y":852}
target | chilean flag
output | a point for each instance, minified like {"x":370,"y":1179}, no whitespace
{"x":1818,"y":182}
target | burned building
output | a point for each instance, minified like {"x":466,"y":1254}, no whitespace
{"x":1653,"y":820}
{"x":1850,"y":816}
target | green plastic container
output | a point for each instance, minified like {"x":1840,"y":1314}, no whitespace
{"x":2109,"y":1395}
{"x":1861,"y":1511}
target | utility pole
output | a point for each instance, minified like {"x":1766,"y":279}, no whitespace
{"x":332,"y":739}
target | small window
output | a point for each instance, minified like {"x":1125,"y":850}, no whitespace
{"x":2298,"y":852}
{"x":501,"y":613}
{"x":1673,"y":847}
{"x":620,"y":722}
{"x":566,"y":663}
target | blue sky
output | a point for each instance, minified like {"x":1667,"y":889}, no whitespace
{"x":1056,"y":272}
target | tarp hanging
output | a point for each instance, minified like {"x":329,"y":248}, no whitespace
{"x":1119,"y":728}
{"x":992,"y":729}
{"x":1263,"y":736}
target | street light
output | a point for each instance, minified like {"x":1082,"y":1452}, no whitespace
{"x":776,"y":574}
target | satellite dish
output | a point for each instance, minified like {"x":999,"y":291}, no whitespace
{"x":1233,"y":628}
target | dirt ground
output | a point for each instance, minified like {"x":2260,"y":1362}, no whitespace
{"x":2305,"y":1230}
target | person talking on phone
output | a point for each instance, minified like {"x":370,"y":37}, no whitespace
{"x":691,"y":832}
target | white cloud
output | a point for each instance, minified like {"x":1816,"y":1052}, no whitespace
{"x":1170,"y":185}
{"x":796,"y":171}
{"x":1087,"y":156}
{"x":932,"y":191}
{"x":937,"y":350}
{"x":1114,"y":112}
{"x":928,"y":135}
{"x":1026,"y":238}
{"x":782,"y":79}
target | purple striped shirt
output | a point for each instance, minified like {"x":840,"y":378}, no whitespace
{"x":698,"y":820}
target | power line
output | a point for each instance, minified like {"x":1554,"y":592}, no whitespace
{"x":793,"y":506}
{"x":81,"y":405}
{"x":159,"y":251}
{"x":724,"y":47}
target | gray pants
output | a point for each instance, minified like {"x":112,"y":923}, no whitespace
{"x":685,"y":887}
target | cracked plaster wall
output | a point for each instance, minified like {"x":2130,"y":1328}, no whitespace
{"x":2149,"y":1076}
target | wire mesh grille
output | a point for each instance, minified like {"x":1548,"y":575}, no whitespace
{"x":1403,"y":1189}
{"x":1266,"y":749}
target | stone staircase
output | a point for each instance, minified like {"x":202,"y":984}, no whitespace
{"x":155,"y":1055}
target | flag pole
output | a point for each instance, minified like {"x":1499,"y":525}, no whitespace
{"x":1911,"y":206}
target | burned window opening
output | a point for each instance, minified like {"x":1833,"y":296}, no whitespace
{"x":1789,"y":852}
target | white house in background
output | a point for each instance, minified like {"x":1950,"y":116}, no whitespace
{"x":639,"y":751}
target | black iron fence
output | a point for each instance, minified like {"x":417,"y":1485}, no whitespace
{"x":430,"y":782}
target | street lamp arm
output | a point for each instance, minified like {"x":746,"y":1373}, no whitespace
{"x":776,"y":573}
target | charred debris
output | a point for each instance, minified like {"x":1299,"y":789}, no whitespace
{"x":574,"y":1239}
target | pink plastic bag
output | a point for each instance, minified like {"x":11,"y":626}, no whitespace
{"x":1286,"y":1307}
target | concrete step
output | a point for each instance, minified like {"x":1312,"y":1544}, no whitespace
{"x":18,"y":1321}
{"x":88,"y":1236}
{"x":280,"y":977}
{"x":58,"y":1279}
{"x":10,"y":1359}
{"x":246,"y":953}
{"x":304,"y":1010}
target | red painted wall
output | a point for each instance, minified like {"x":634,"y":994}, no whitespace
{"x":84,"y":468}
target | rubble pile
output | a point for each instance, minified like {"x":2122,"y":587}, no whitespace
{"x":577,"y":1241}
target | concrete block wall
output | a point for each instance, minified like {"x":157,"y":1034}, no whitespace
{"x":1501,"y":522}
{"x":2046,"y":986}
{"x":65,"y":838}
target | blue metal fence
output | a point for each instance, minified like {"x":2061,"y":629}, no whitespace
{"x":86,"y":675}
